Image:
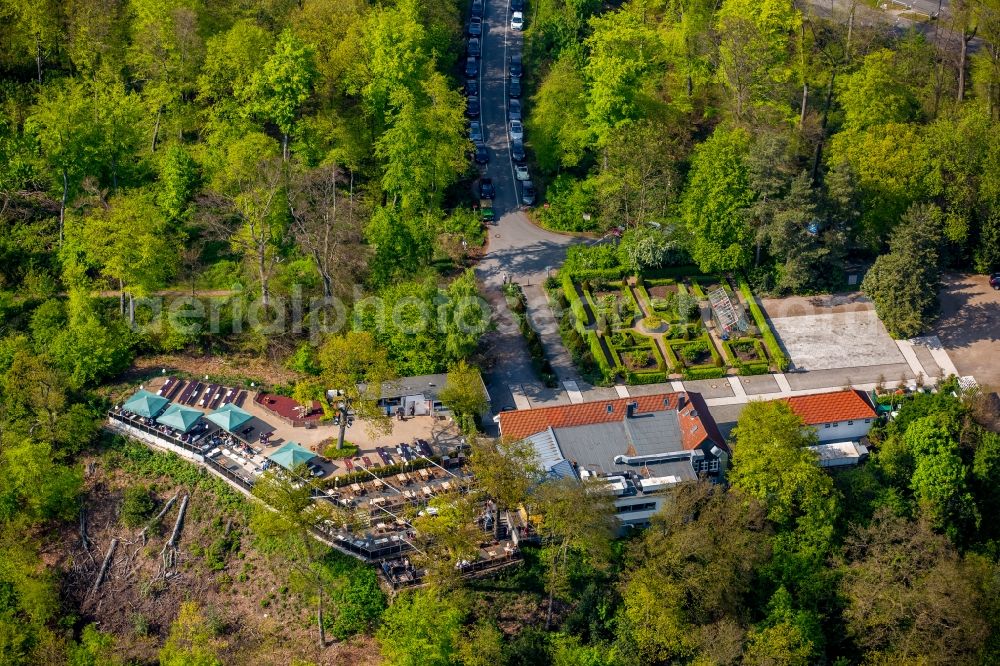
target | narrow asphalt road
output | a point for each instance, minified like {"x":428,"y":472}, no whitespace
{"x":517,"y":249}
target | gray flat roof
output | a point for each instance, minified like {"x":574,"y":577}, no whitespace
{"x":428,"y":386}
{"x":596,"y":446}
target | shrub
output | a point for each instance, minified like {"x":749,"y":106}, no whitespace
{"x":687,"y":307}
{"x":652,"y":322}
{"x":137,"y":506}
{"x":691,"y":352}
{"x":569,"y":199}
{"x":332,"y":452}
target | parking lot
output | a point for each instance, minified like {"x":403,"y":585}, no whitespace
{"x":969,"y":326}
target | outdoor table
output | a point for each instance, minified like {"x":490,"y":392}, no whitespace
{"x":378,"y":501}
{"x":446,"y":485}
{"x":423,"y":473}
{"x":427,"y":491}
{"x":402,"y":478}
{"x":355,"y":487}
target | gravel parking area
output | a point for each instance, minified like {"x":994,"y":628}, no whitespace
{"x":832,"y":340}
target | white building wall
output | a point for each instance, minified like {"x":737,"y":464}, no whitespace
{"x":637,"y":517}
{"x":843,"y":430}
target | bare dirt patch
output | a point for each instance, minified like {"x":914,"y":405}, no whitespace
{"x":662,"y":290}
{"x":256,"y":618}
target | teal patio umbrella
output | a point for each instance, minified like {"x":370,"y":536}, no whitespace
{"x":145,"y":403}
{"x":179,"y":418}
{"x":291,"y":455}
{"x":229,"y":417}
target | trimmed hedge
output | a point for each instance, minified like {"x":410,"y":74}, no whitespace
{"x":599,"y":273}
{"x":704,"y":372}
{"x":672,"y":272}
{"x":696,"y":288}
{"x":778,"y":357}
{"x":580,"y":320}
{"x":755,"y":368}
{"x":598,"y":354}
{"x":639,"y":378}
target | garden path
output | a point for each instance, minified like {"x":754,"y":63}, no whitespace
{"x":646,"y":310}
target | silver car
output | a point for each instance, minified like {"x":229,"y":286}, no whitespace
{"x":516,"y":129}
{"x":476,"y":132}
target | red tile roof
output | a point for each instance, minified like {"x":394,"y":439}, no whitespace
{"x":696,"y":424}
{"x":831,"y":407}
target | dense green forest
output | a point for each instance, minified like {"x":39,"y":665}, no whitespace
{"x":263,"y":151}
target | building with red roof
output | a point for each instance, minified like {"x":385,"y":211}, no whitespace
{"x":836,"y":417}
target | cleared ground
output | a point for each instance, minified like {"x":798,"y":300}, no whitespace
{"x":834,"y":340}
{"x":969,"y":326}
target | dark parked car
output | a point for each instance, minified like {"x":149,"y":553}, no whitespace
{"x":482,"y":154}
{"x":475,"y":26}
{"x":471,"y":86}
{"x":472,"y":107}
{"x":995,"y":280}
{"x":517,"y":5}
{"x":475,"y":132}
{"x":515,"y":66}
{"x":517,"y":150}
{"x":486,"y":190}
{"x":477,"y":8}
{"x":515,"y":109}
{"x":471,"y":66}
{"x":528,"y":193}
{"x":474,"y":47}
{"x":514,"y":88}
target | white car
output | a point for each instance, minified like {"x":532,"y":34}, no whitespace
{"x":516,"y":129}
{"x":517,"y":21}
{"x":521,"y":172}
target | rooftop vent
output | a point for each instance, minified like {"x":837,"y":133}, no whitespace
{"x":693,"y":413}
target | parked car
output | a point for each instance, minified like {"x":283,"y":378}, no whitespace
{"x":471,"y":66}
{"x":995,"y":280}
{"x":472,"y":106}
{"x":476,"y":132}
{"x":472,"y":86}
{"x":477,"y":8}
{"x":528,"y":193}
{"x":517,"y":5}
{"x":475,"y":26}
{"x":486,"y":190}
{"x":517,"y":150}
{"x":514,"y":88}
{"x":482,"y":154}
{"x":517,"y":21}
{"x":516,"y":129}
{"x":474,"y":46}
{"x":515,"y":109}
{"x":515,"y":66}
{"x":521,"y":172}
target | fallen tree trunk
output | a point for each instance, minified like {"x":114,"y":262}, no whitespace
{"x":105,"y":565}
{"x":158,"y":517}
{"x":169,"y":552}
{"x":177,"y":524}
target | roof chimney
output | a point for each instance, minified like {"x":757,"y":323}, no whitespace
{"x":630,"y":409}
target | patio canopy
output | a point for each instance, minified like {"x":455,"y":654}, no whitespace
{"x":179,"y":418}
{"x":145,"y":403}
{"x":291,"y":455}
{"x":229,"y":417}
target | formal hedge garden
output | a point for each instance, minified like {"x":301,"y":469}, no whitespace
{"x":612,"y":329}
